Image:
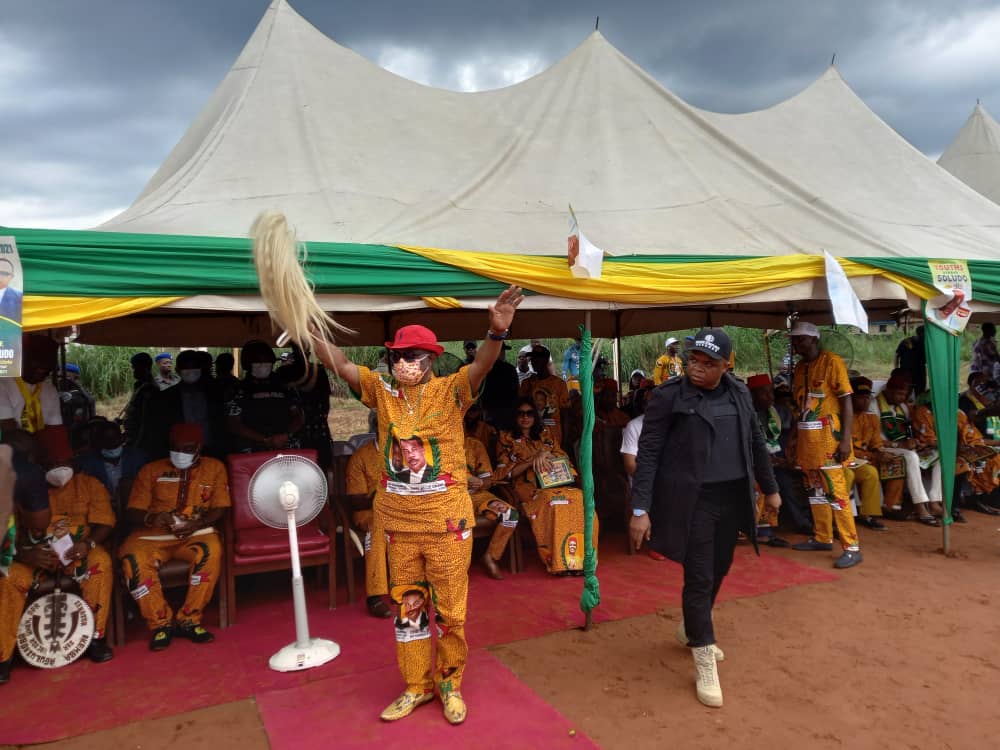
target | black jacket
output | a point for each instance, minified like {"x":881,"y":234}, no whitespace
{"x":673,"y":456}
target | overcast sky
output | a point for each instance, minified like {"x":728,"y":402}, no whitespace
{"x":95,"y":93}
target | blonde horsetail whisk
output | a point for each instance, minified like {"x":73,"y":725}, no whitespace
{"x":287,"y":293}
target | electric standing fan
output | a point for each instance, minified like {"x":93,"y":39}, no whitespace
{"x":287,"y":492}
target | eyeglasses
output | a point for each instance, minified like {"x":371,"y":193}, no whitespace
{"x":525,"y":413}
{"x":410,"y":355}
{"x":6,"y":273}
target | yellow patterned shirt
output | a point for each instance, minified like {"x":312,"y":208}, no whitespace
{"x":421,"y":441}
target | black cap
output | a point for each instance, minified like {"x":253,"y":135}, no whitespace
{"x":712,"y":341}
{"x":469,"y":345}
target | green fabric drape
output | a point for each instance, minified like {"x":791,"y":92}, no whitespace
{"x":943,"y":352}
{"x":591,"y":595}
{"x":117,"y":264}
{"x":985,"y":274}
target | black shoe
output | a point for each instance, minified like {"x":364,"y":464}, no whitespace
{"x":194,"y":633}
{"x":987,"y":509}
{"x":872,"y":522}
{"x":5,"y":670}
{"x":812,"y":545}
{"x":99,"y":651}
{"x":161,"y":639}
{"x":777,"y":541}
{"x":377,"y":607}
{"x":958,"y":517}
{"x":848,"y":560}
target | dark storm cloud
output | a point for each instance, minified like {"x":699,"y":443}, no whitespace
{"x":96,"y":93}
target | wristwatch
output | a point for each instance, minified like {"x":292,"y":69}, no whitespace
{"x":505,"y":334}
{"x":638,"y":512}
{"x":92,"y":543}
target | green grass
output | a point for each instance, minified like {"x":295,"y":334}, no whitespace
{"x":107,"y":374}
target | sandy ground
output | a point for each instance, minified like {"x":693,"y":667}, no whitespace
{"x":900,"y":652}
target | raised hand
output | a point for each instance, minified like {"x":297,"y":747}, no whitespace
{"x":502,"y":311}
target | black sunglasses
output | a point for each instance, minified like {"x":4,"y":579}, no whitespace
{"x":525,"y":413}
{"x":410,"y":355}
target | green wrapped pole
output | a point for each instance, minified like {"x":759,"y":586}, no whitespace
{"x":943,"y":351}
{"x":591,"y":595}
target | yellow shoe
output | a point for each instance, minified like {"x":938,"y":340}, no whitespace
{"x":454,"y":708}
{"x":404,"y":705}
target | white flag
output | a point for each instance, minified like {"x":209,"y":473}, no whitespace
{"x":585,"y":258}
{"x":847,"y":309}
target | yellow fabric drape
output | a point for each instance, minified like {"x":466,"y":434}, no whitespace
{"x":442,"y":303}
{"x":656,"y":283}
{"x":41,"y":312}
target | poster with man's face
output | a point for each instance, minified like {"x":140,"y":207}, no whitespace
{"x":11,"y":299}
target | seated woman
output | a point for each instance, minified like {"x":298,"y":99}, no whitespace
{"x":556,"y":513}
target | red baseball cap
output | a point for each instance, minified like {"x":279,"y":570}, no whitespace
{"x":759,"y":381}
{"x":415,"y":337}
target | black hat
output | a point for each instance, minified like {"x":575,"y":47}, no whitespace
{"x":469,"y":345}
{"x":712,"y":341}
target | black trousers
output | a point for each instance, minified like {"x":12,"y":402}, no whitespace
{"x":710,"y":546}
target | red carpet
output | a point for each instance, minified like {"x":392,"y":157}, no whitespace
{"x":140,"y":685}
{"x":504,"y":714}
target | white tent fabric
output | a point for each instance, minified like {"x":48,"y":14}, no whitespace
{"x":974,"y":155}
{"x":354,"y":153}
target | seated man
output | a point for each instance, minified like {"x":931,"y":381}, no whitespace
{"x":489,"y":505}
{"x":606,"y":408}
{"x":78,"y":506}
{"x":112,"y":463}
{"x":980,"y":404}
{"x":364,"y":473}
{"x":264,"y":414}
{"x":976,"y":458}
{"x":866,"y":436}
{"x":773,"y":418}
{"x":172,"y":507}
{"x":894,"y":419}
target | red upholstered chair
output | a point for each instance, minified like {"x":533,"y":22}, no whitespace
{"x":254,"y":548}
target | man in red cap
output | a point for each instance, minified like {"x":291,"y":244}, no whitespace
{"x":80,"y":508}
{"x":31,"y":401}
{"x":428,"y":516}
{"x":172,"y":506}
{"x":762,"y":396}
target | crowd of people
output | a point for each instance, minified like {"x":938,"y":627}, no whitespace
{"x":151,"y":486}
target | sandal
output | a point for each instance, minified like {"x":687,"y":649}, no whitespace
{"x":929,"y":520}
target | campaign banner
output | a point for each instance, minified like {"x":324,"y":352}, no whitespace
{"x":11,"y":298}
{"x":950,"y":310}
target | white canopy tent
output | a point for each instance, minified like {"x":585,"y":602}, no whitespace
{"x":974,"y":155}
{"x":351,"y":152}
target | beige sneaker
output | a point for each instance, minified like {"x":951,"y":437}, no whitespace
{"x":404,"y":705}
{"x":454,"y":708}
{"x":682,"y":638}
{"x":707,"y":676}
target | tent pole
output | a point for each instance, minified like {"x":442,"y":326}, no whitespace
{"x":616,"y":354}
{"x":588,"y":615}
{"x":767,"y":353}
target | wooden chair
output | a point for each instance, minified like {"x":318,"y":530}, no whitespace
{"x":252,"y":547}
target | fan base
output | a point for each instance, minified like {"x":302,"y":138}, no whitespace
{"x":292,"y":658}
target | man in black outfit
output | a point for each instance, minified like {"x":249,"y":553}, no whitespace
{"x":700,"y":451}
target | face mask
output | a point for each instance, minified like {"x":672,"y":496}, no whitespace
{"x":59,"y":476}
{"x":112,"y":453}
{"x":182,"y":460}
{"x":261,"y":370}
{"x":190,"y":376}
{"x":408,"y":373}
